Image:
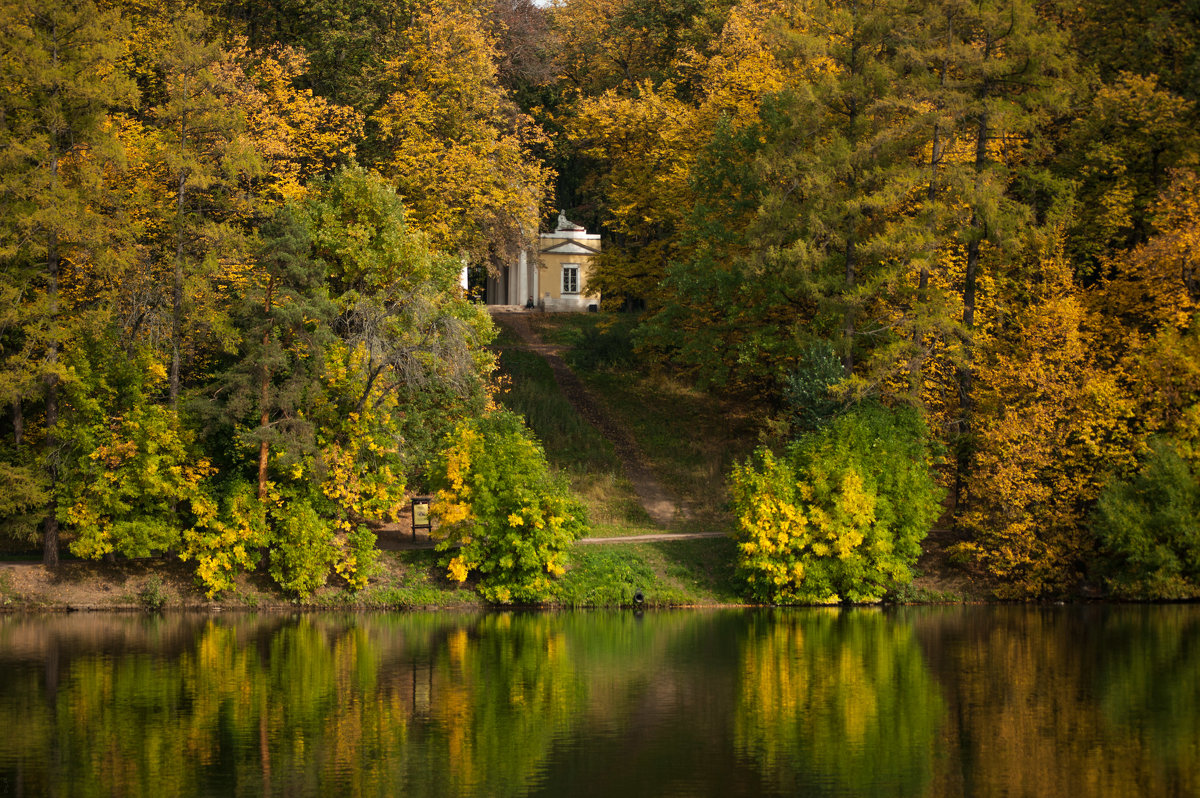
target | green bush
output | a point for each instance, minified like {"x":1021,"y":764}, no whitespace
{"x":841,"y":514}
{"x":304,"y":552}
{"x":502,"y":515}
{"x":153,"y":596}
{"x":1148,"y":529}
{"x":807,"y":391}
{"x":360,"y":559}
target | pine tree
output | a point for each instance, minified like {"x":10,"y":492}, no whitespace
{"x":284,"y":315}
{"x":58,"y":82}
{"x":204,"y":154}
{"x":1001,"y":73}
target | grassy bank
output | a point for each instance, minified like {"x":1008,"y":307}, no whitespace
{"x":671,"y":573}
{"x":574,"y":447}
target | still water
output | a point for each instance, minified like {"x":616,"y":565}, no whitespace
{"x":1063,"y":701}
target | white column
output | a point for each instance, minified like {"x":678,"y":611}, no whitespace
{"x":535,"y":275}
{"x":522,"y":279}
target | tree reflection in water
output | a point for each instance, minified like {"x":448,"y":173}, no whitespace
{"x":975,"y":701}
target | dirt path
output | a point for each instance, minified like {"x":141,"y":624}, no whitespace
{"x":661,"y":505}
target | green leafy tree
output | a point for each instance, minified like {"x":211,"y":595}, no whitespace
{"x":58,"y":84}
{"x":1148,"y":38}
{"x":841,"y":514}
{"x":1148,"y":529}
{"x":136,"y":475}
{"x":500,"y":512}
{"x":410,"y":353}
{"x":284,"y":316}
{"x":1122,"y":152}
{"x":203,"y":155}
{"x":1001,"y":72}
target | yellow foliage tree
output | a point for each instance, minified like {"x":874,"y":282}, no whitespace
{"x":647,"y":138}
{"x":456,"y":148}
{"x":298,"y":135}
{"x":1051,"y":424}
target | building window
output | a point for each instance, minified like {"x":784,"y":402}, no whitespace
{"x":570,"y":278}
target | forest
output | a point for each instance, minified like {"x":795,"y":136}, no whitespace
{"x":949,"y":249}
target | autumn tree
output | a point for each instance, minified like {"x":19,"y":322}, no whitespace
{"x":647,"y":144}
{"x":804,"y":220}
{"x":454,"y":145}
{"x":1121,"y":152}
{"x":1154,"y":39}
{"x":58,"y":84}
{"x":297,"y":134}
{"x":621,"y":44}
{"x":203,"y":153}
{"x":1004,"y":68}
{"x":1052,"y":421}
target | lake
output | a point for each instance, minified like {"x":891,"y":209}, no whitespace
{"x":976,"y":701}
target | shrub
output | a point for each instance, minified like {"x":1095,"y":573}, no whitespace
{"x":502,"y":514}
{"x":807,"y":392}
{"x":126,"y":491}
{"x":304,"y":551}
{"x":1148,"y":529}
{"x":840,"y":516}
{"x":226,"y":536}
{"x":360,"y":558}
{"x":153,"y":595}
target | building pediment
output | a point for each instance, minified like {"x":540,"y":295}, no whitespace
{"x":570,"y":248}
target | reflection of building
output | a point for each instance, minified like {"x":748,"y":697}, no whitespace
{"x":557,"y":279}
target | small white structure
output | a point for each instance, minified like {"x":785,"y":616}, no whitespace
{"x":557,"y":279}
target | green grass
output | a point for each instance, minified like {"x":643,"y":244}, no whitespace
{"x":571,"y":442}
{"x":668,"y":573}
{"x":573,"y":446}
{"x":414,"y":579}
{"x":705,"y":566}
{"x":689,"y":437}
{"x":7,"y":594}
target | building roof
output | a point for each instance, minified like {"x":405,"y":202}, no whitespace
{"x":568,"y":247}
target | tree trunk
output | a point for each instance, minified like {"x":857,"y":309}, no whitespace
{"x":18,"y":422}
{"x":848,"y":322}
{"x":965,"y":371}
{"x":177,"y":295}
{"x":264,"y":396}
{"x":50,"y":380}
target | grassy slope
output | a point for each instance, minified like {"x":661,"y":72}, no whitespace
{"x":575,"y":448}
{"x":687,"y":439}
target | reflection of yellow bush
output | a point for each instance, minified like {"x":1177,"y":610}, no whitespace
{"x":836,"y":694}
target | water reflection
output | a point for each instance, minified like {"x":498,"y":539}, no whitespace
{"x":977,"y":701}
{"x":837,"y":702}
{"x":1063,"y":701}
